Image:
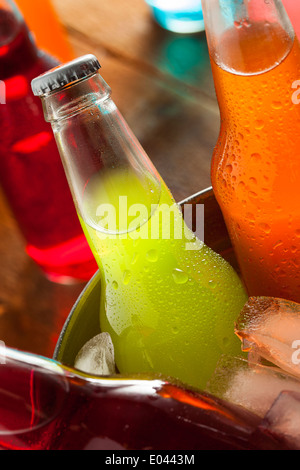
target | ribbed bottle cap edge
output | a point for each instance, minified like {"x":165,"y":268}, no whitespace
{"x":65,"y":74}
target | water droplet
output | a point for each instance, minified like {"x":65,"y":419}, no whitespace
{"x":115,"y":285}
{"x":246,"y":23}
{"x":212,"y":284}
{"x":265,"y":227}
{"x":229,"y":168}
{"x":259,"y":124}
{"x":238,"y":24}
{"x":126,"y":277}
{"x":134,"y":258}
{"x":276,"y":105}
{"x":179,"y":276}
{"x":277,"y":244}
{"x":256,"y":156}
{"x":250,"y":216}
{"x":152,"y":256}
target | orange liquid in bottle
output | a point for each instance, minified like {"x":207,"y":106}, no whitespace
{"x":256,"y":164}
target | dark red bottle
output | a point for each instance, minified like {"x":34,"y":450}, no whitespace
{"x":31,"y":172}
{"x":44,"y":406}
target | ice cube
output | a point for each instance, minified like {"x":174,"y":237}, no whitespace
{"x":281,"y":423}
{"x":270,"y":328}
{"x":97,"y":356}
{"x":252,"y":386}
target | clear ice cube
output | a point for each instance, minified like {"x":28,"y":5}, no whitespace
{"x":255,"y":387}
{"x":281,"y":423}
{"x":270,"y":328}
{"x":97,"y":356}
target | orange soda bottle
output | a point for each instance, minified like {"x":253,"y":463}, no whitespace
{"x":255,"y":59}
{"x":43,"y":21}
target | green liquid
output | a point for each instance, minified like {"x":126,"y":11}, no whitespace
{"x":168,"y":309}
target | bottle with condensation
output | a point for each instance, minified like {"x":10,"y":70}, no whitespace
{"x":255,"y":59}
{"x":167,"y":300}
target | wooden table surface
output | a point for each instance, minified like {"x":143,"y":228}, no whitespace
{"x":162,"y":84}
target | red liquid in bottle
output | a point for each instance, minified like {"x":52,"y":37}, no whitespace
{"x":44,"y":407}
{"x":31,"y":173}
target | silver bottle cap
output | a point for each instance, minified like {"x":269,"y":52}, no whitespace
{"x":65,"y":74}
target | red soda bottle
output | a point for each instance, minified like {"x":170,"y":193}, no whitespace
{"x":31,"y":173}
{"x":45,"y":406}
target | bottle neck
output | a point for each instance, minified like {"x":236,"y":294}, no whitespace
{"x":75,"y":98}
{"x":101,"y":156}
{"x":18,"y":51}
{"x":247,"y":37}
{"x":10,"y":18}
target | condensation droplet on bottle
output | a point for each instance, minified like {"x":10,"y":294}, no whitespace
{"x":134,"y":258}
{"x":278,"y":244}
{"x":256,"y":156}
{"x":126,"y":277}
{"x":276,"y":105}
{"x":115,"y":285}
{"x":152,"y":256}
{"x":212,"y":284}
{"x":265,"y":228}
{"x":259,"y":124}
{"x":180,"y":277}
{"x":246,"y":23}
{"x":250,"y":216}
{"x":238,"y":24}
